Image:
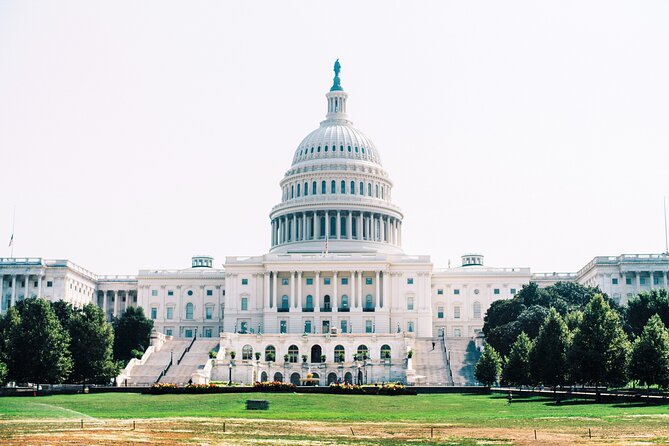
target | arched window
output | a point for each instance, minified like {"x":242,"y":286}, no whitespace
{"x":319,"y":149}
{"x":326,"y":302}
{"x":362,"y":188}
{"x":383,"y":189}
{"x":306,"y":189}
{"x":312,"y":150}
{"x":333,"y":226}
{"x":385,"y":351}
{"x":322,"y":234}
{"x":477,"y":310}
{"x":313,"y":188}
{"x":377,"y":191}
{"x":344,"y":301}
{"x":369,"y":302}
{"x":343,"y":187}
{"x":284,"y":302}
{"x":189,"y":310}
{"x":310,"y":302}
{"x":323,"y":190}
{"x":363,"y":352}
{"x":349,"y":148}
{"x":298,"y":190}
{"x":352,"y":187}
{"x":326,"y":148}
{"x":341,"y":148}
{"x":356,"y":149}
{"x":369,"y":189}
{"x":247,"y":352}
{"x":293,"y":353}
{"x":333,"y":187}
{"x":339,"y":353}
{"x":270,"y":353}
{"x":292,"y":191}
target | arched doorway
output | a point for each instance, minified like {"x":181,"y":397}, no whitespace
{"x":263,"y":377}
{"x":295,"y":379}
{"x":315,"y":375}
{"x":348,"y":378}
{"x":327,"y":303}
{"x":360,"y":377}
{"x":278,"y":377}
{"x":332,"y":378}
{"x":316,"y":353}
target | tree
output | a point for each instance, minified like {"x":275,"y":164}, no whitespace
{"x":132,"y":331}
{"x":516,"y":371}
{"x":3,"y":373}
{"x":599,"y":351}
{"x":489,"y":366}
{"x":37,"y":346}
{"x":641,"y":307}
{"x":549,"y":356}
{"x":91,"y":346}
{"x":649,"y":363}
{"x":531,"y":320}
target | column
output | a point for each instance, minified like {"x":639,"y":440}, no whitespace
{"x":638,"y":282}
{"x":384,"y":294}
{"x":274,"y":287}
{"x":304,"y":226}
{"x":327,"y":224}
{"x":382,"y":226}
{"x":293,"y":297}
{"x":335,"y":299}
{"x":378,"y":289}
{"x":359,"y":293}
{"x":2,"y":297}
{"x":13,"y":300}
{"x":359,"y":225}
{"x":399,"y":233}
{"x":651,"y":279}
{"x":271,"y":239}
{"x":26,"y":286}
{"x":116,"y":303}
{"x":664,"y":279}
{"x":349,"y":223}
{"x":299,"y":289}
{"x":293,"y":235}
{"x":317,"y":300}
{"x":39,"y":287}
{"x":351,"y":302}
{"x":317,"y":226}
{"x":338,"y":225}
{"x":266,"y":289}
{"x":104,"y":305}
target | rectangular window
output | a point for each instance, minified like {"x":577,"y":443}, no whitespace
{"x":170,"y":293}
{"x":154,"y":293}
{"x":284,"y":281}
{"x":170,"y":312}
{"x":410,"y":327}
{"x":457,"y":332}
{"x":409,"y":303}
{"x":513,"y":291}
{"x":168,"y":332}
{"x":440,"y":312}
{"x":614,"y":280}
{"x":245,"y":303}
{"x":49,"y":284}
{"x":496,"y":291}
{"x":209,"y":312}
{"x":243,"y":327}
{"x":344,"y":280}
{"x":628,"y":281}
{"x":310,"y":281}
{"x":410,"y":281}
{"x":154,"y":312}
{"x":245,"y":281}
{"x":642,"y":280}
{"x":369,"y":328}
{"x":283,"y":326}
{"x":189,"y":333}
{"x":456,"y":291}
{"x":456,"y":312}
{"x":210,"y":292}
{"x":344,"y":326}
{"x":326,"y":281}
{"x":207,"y":332}
{"x":440,"y":291}
{"x":35,"y":284}
{"x":656,"y":280}
{"x":368,"y":281}
{"x":307,"y":326}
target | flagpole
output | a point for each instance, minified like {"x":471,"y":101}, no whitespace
{"x":11,"y":242}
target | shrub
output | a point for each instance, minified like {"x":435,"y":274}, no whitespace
{"x":212,"y":354}
{"x":274,"y":386}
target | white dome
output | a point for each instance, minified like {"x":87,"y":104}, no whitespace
{"x":336,"y":139}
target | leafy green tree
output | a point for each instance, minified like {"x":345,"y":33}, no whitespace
{"x":37,"y":346}
{"x":92,"y":339}
{"x":548,"y":359}
{"x":573,"y":319}
{"x":489,"y":366}
{"x":649,"y":363}
{"x":3,"y":373}
{"x":132,"y":331}
{"x":599,"y":351}
{"x":642,"y":307}
{"x":516,"y":371}
{"x":531,"y":320}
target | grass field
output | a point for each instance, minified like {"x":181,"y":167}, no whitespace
{"x":325,"y":419}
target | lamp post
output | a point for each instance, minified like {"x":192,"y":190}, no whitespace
{"x":230,"y":373}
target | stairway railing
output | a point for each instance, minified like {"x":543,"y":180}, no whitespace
{"x":164,"y":371}
{"x":187,"y":349}
{"x":448,"y":360}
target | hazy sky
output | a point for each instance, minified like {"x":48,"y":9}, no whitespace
{"x":134,"y":134}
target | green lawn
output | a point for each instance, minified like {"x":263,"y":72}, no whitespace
{"x":462,"y":410}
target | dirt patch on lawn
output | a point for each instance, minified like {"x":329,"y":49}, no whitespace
{"x":214,"y":431}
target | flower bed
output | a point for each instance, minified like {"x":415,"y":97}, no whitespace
{"x":168,"y":388}
{"x":384,"y":389}
{"x":274,"y":386}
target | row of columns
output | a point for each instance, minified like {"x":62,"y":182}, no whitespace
{"x":355,"y":302}
{"x":13,"y":297}
{"x":303,"y":226}
{"x":107,"y":295}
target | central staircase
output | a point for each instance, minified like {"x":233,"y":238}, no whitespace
{"x":194,"y":358}
{"x":463,"y":358}
{"x":431,"y":364}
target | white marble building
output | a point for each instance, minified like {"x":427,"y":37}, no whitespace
{"x":335,"y":274}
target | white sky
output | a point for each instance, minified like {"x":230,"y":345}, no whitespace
{"x":134,"y":134}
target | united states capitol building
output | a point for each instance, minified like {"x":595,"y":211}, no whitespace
{"x":334,"y":284}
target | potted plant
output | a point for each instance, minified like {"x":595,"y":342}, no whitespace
{"x":257,"y":356}
{"x":341,"y":358}
{"x":286,"y":357}
{"x":355,"y":356}
{"x":212,"y":354}
{"x":410,"y":354}
{"x":322,"y":358}
{"x":270,"y":357}
{"x":233,"y":354}
{"x":304,"y":358}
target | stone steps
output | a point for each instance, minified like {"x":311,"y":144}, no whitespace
{"x":463,"y":358}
